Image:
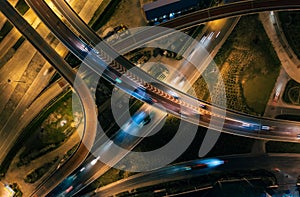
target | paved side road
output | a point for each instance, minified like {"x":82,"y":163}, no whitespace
{"x":290,"y":65}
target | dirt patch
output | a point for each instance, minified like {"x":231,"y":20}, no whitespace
{"x":128,"y":13}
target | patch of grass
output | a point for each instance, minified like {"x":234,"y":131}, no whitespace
{"x":68,"y":154}
{"x":249,"y":68}
{"x":160,"y":138}
{"x":227,"y":144}
{"x":18,"y":43}
{"x":22,"y":7}
{"x":72,"y":60}
{"x":56,"y":76}
{"x":110,"y":176}
{"x":27,"y":134}
{"x":224,"y":52}
{"x":36,"y":148}
{"x":49,"y":133}
{"x":201,"y":90}
{"x":26,"y":157}
{"x":257,"y":91}
{"x":105,"y":15}
{"x":39,"y":172}
{"x":5,"y":30}
{"x":282,"y":147}
{"x":99,"y":11}
{"x":261,"y":65}
{"x":70,"y":151}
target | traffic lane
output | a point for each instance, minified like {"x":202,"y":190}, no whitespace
{"x":82,"y":178}
{"x":243,"y":7}
{"x":85,"y":31}
{"x":124,"y":139}
{"x":121,"y":120}
{"x":145,"y":36}
{"x":264,"y":128}
{"x":75,"y":43}
{"x":90,"y":37}
{"x":237,"y":162}
{"x":231,"y":8}
{"x":66,"y":71}
{"x":79,"y":180}
{"x":68,"y":12}
{"x":183,"y":21}
{"x":281,"y":127}
{"x":219,"y":33}
{"x":254,"y":127}
{"x":235,"y":122}
{"x":134,"y":79}
{"x":274,"y":4}
{"x":51,"y":20}
{"x":130,"y":86}
{"x":201,"y":16}
{"x":180,"y":108}
{"x":287,"y":110}
{"x":204,"y":119}
{"x":183,"y":103}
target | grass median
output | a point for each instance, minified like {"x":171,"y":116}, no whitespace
{"x":249,"y":68}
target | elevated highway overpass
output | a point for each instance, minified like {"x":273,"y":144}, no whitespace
{"x":236,"y":123}
{"x":105,"y":58}
{"x":67,"y":72}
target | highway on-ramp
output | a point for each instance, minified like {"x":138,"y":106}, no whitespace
{"x":246,"y":126}
{"x":235,"y":122}
{"x":93,"y":39}
{"x":201,"y":16}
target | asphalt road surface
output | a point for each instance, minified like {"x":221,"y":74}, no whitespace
{"x":286,"y":163}
{"x":235,"y":123}
{"x":289,"y":132}
{"x":66,"y":71}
